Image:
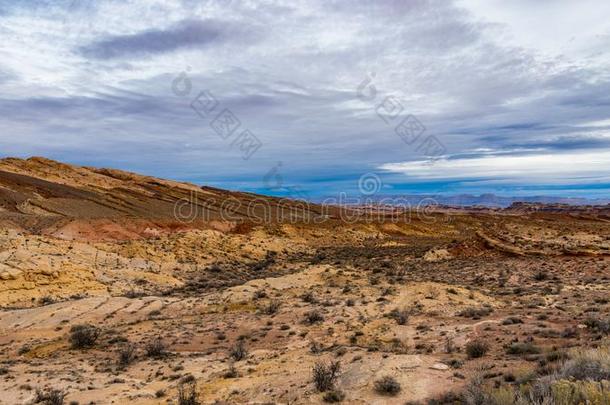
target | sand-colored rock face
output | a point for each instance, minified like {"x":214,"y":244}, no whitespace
{"x":405,"y":300}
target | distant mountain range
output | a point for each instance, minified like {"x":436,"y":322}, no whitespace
{"x":485,"y":200}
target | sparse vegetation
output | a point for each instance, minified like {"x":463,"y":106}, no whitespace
{"x":238,"y":351}
{"x":83,"y":336}
{"x":387,"y":385}
{"x":49,"y":397}
{"x":475,"y":313}
{"x":522,"y":348}
{"x":476,"y":349}
{"x":208,"y":292}
{"x":127,"y":354}
{"x":325,"y":375}
{"x":334,"y":396}
{"x":156,"y":348}
{"x":187,"y":393}
{"x":401,"y":316}
{"x":313,"y":316}
{"x":272,"y":307}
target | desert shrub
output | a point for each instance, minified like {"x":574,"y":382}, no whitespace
{"x":569,"y":333}
{"x":450,"y":345}
{"x":502,"y":396}
{"x":127,"y":354}
{"x":309,"y":297}
{"x":387,"y":386}
{"x":541,"y":275}
{"x":593,"y":364}
{"x":474,"y":312}
{"x":156,"y":348}
{"x":82,"y":336}
{"x":401,"y":316}
{"x":258,"y":294}
{"x":325,"y":375}
{"x":580,"y":392}
{"x":271,"y":308}
{"x":447,"y":398}
{"x":238,"y":351}
{"x":313,"y":316}
{"x":522,"y":348}
{"x":511,"y":320}
{"x":316,"y":347}
{"x":474,"y":392}
{"x":600,"y":325}
{"x":334,"y":396}
{"x":231,"y":371}
{"x":476,"y":349}
{"x":49,"y":397}
{"x":555,"y":355}
{"x":187,"y":393}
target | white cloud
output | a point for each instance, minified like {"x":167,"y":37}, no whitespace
{"x":565,"y":168}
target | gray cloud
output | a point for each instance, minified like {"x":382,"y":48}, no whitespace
{"x":289,"y":72}
{"x":184,"y":34}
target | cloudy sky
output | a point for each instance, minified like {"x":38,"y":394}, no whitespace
{"x":464,"y":96}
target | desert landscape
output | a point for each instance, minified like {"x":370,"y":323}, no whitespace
{"x":120,"y":288}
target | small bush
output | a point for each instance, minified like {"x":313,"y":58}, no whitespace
{"x":238,"y":351}
{"x":475,"y":313}
{"x":541,"y":275}
{"x":309,"y":297}
{"x":231,"y":371}
{"x":314,"y":316}
{"x":512,"y":320}
{"x":476,"y":349}
{"x":316,"y":347}
{"x":156,"y":348}
{"x":83,"y":336}
{"x":387,"y":386}
{"x":334,"y":396}
{"x":49,"y":397}
{"x":271,"y":308}
{"x":325,"y":375}
{"x":258,"y":294}
{"x":591,"y":364}
{"x":600,"y":325}
{"x":187,"y":393}
{"x":127,"y":354}
{"x":401,"y":316}
{"x":522,"y":348}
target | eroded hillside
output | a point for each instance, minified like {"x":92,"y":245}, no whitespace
{"x":421,"y":307}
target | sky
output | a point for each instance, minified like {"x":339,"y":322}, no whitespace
{"x":313,"y":98}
